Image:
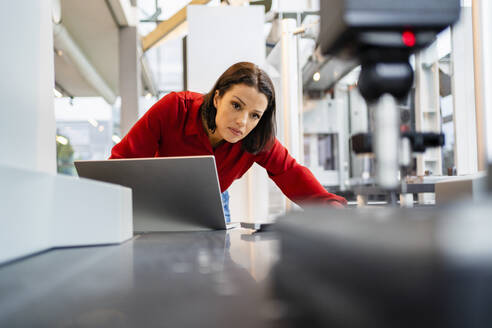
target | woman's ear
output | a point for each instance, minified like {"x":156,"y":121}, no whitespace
{"x":216,"y":95}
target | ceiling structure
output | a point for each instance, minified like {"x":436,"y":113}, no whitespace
{"x":86,"y":47}
{"x":88,"y":66}
{"x":167,"y":26}
{"x":92,"y":28}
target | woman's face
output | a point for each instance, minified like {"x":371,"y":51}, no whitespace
{"x":238,"y":112}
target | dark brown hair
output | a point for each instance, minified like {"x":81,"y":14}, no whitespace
{"x":263,"y":135}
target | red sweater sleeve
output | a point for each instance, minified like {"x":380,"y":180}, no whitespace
{"x":143,"y":138}
{"x":296,"y":181}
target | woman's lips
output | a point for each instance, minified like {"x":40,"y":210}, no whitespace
{"x":236,"y":132}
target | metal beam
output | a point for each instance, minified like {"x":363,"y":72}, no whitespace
{"x":64,"y":41}
{"x":168,"y":26}
{"x":123,"y":12}
{"x":147,"y":77}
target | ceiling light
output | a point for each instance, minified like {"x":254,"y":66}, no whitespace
{"x":148,"y":95}
{"x":61,"y":140}
{"x":93,"y":122}
{"x":316,"y":76}
{"x":115,"y":138}
{"x":101,"y":128}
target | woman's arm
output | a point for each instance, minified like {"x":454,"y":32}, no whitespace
{"x":296,"y":181}
{"x":143,"y":138}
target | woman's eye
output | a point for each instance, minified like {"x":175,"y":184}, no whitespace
{"x":256,"y":116}
{"x":235,"y":105}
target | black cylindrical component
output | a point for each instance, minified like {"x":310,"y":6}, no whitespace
{"x":422,"y":141}
{"x":433,"y":139}
{"x":362,"y":143}
{"x":377,"y":79}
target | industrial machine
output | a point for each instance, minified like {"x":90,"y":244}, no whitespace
{"x":381,"y":36}
{"x":386,"y":267}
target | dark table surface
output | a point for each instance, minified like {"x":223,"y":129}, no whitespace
{"x":193,"y":279}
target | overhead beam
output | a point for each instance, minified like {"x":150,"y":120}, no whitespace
{"x":123,"y":11}
{"x":64,"y":41}
{"x":168,"y":26}
{"x":147,"y":77}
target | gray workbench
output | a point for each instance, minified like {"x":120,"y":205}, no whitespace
{"x":194,"y":279}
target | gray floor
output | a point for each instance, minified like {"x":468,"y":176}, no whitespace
{"x":194,"y":279}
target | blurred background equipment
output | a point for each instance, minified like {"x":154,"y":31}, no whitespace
{"x":381,"y":36}
{"x":388,"y":267}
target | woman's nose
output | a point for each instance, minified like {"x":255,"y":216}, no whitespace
{"x":242,"y":119}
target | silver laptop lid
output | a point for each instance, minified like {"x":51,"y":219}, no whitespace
{"x":169,"y":193}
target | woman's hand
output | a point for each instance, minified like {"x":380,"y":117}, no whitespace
{"x":335,"y":204}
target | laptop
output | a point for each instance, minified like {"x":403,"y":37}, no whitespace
{"x":169,"y":193}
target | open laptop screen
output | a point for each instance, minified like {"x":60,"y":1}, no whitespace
{"x":169,"y":193}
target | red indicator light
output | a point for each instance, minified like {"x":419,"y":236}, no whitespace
{"x":408,"y":38}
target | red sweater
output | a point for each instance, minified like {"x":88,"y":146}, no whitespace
{"x":173,"y":127}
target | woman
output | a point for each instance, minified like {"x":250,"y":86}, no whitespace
{"x":235,"y":122}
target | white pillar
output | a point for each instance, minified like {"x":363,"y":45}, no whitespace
{"x":463,"y":86}
{"x":487,"y":69}
{"x":129,"y":79}
{"x":291,"y":111}
{"x":478,"y":64}
{"x":482,"y":15}
{"x":289,"y":102}
{"x":207,"y":58}
{"x":27,"y":118}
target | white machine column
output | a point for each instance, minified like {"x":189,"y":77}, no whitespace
{"x":39,"y":209}
{"x":427,"y":107}
{"x":386,"y":141}
{"x":466,"y":157}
